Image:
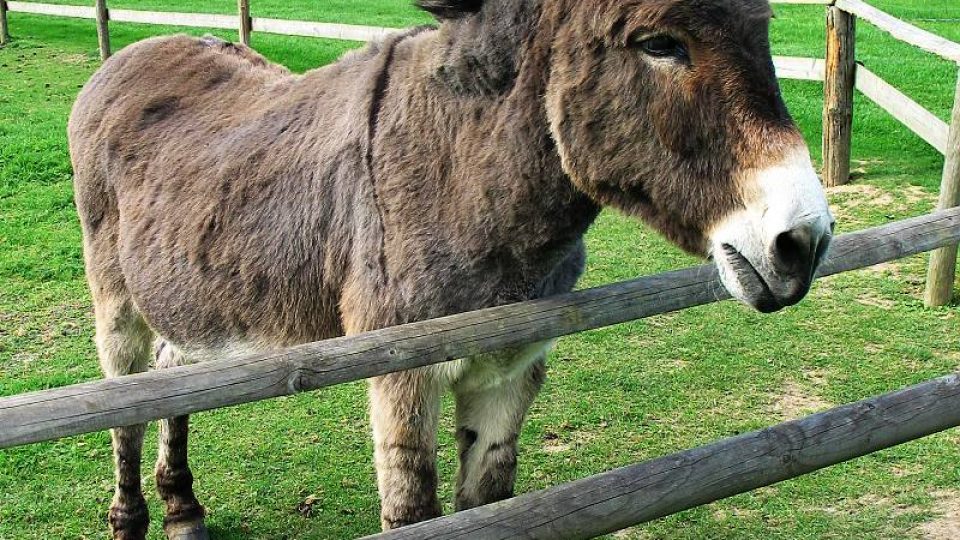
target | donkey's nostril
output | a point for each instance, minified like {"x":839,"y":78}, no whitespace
{"x":795,"y":252}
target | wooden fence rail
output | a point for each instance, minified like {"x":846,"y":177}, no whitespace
{"x":901,"y":30}
{"x":639,"y":493}
{"x":94,"y":406}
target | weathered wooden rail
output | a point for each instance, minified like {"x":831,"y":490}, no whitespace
{"x":840,"y":72}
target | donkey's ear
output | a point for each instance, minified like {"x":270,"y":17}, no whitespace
{"x":450,"y":9}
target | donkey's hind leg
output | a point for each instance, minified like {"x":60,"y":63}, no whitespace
{"x":184,"y":514}
{"x":123,"y":345}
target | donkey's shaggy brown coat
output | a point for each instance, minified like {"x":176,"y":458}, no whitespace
{"x":228,"y":205}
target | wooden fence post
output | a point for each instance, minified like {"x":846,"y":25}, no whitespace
{"x":838,"y":96}
{"x":943,"y":262}
{"x":246,"y":23}
{"x":103,"y":29}
{"x":4,"y":28}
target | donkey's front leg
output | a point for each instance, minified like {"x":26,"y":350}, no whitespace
{"x":403,"y":409}
{"x":488,"y":424}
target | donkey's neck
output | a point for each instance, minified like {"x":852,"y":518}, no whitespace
{"x":466,"y":151}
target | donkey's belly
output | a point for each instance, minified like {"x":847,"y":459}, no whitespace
{"x":492,"y":369}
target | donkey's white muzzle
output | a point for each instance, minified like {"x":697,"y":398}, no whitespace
{"x":768,"y":253}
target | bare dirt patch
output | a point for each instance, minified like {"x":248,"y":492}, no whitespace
{"x":916,"y":194}
{"x":555,"y":446}
{"x":849,"y":506}
{"x":73,"y":59}
{"x":872,"y":300}
{"x":947,"y":525}
{"x":633,"y":533}
{"x":556,"y":443}
{"x":858,"y":194}
{"x":892,"y":269}
{"x":952,"y":357}
{"x":907,"y":470}
{"x":849,"y":201}
{"x":797,"y":400}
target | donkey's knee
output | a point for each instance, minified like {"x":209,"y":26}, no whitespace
{"x":183,"y":517}
{"x":488,"y":423}
{"x":488,"y":470}
{"x":404,"y":409}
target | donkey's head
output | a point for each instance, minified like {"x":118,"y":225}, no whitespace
{"x":670,"y":110}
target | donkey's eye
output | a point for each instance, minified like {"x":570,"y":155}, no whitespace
{"x":663,"y":46}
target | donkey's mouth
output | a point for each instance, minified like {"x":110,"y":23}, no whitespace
{"x":755,"y":288}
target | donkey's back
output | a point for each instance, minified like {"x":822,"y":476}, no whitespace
{"x":218,"y":193}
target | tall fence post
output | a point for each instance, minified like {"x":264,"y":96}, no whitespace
{"x":838,"y":96}
{"x":4,"y":28}
{"x":943,"y":262}
{"x":103,"y":29}
{"x":246,"y":23}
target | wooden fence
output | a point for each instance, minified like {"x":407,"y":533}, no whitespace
{"x":612,"y":500}
{"x":842,"y":73}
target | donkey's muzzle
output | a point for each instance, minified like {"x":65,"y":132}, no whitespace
{"x":768,"y":252}
{"x":796,"y":255}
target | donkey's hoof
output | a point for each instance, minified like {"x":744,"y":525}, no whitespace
{"x":187,"y":531}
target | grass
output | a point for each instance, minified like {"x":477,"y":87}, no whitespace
{"x":615,"y":396}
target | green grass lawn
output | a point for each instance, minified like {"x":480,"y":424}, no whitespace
{"x":614,"y":396}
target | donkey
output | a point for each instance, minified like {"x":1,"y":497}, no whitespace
{"x":229,"y":206}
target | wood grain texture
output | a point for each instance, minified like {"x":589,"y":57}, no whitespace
{"x":910,"y":113}
{"x":322,"y":30}
{"x":103,"y":28}
{"x":246,"y":23}
{"x":941,"y":273}
{"x":80,"y":12}
{"x":799,"y":68}
{"x":196,"y":20}
{"x":4,"y":26}
{"x":838,"y":96}
{"x":901,"y":30}
{"x":173,"y":392}
{"x":644,"y":492}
